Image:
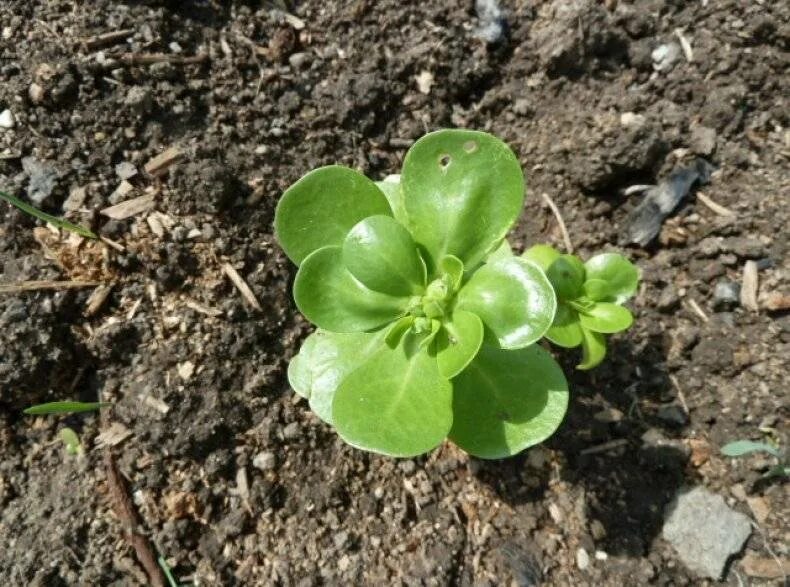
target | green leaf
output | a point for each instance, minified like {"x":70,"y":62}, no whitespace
{"x":71,"y":440}
{"x":506,"y":401}
{"x":606,"y":318}
{"x":566,"y":274}
{"x":621,"y":275}
{"x":329,"y":296}
{"x":319,"y":209}
{"x":542,"y":255}
{"x":325,"y":360}
{"x":454,"y":268}
{"x":743,"y":447}
{"x":64,"y":408}
{"x":462,"y":191}
{"x":598,"y":290}
{"x":391,"y":188}
{"x":381,"y":254}
{"x":53,"y":220}
{"x":458,"y":343}
{"x":593,"y":349}
{"x":502,"y":251}
{"x":566,"y":330}
{"x":397,"y":330}
{"x":514,"y":299}
{"x":394,"y":404}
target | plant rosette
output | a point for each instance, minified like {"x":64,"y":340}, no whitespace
{"x":427,"y":323}
{"x":589,"y":299}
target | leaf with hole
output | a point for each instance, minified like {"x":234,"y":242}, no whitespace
{"x":319,"y":209}
{"x":506,"y":401}
{"x":513,"y":298}
{"x":462,"y":191}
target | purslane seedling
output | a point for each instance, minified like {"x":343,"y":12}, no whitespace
{"x":427,"y":322}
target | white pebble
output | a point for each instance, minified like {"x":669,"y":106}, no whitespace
{"x":582,"y":559}
{"x":6,"y":119}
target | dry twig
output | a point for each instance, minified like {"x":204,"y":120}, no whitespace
{"x":242,"y":286}
{"x":717,"y":208}
{"x":21,"y":286}
{"x":105,"y":39}
{"x":563,"y":229}
{"x":749,"y":286}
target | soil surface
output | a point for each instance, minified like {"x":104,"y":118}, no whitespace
{"x":235,"y":481}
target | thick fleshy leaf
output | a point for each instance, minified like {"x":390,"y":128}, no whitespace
{"x":606,"y":318}
{"x":319,"y":209}
{"x":597,"y":290}
{"x":542,"y":255}
{"x":506,"y":401}
{"x":390,"y":185}
{"x":324,"y":361}
{"x":738,"y":448}
{"x":329,"y":296}
{"x":621,"y":275}
{"x":394,"y":404}
{"x":462,"y":191}
{"x":396,"y":331}
{"x":452,"y":266}
{"x":565,"y":331}
{"x":458,"y":343}
{"x":514,"y":299}
{"x":382,"y":255}
{"x":566,"y":274}
{"x":593,"y":349}
{"x":502,"y":251}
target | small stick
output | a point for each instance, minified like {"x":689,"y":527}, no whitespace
{"x":749,"y":286}
{"x":213,"y":312}
{"x":717,"y":208}
{"x":124,"y":509}
{"x":617,"y":443}
{"x":129,"y":208}
{"x":97,"y":299}
{"x":685,"y":45}
{"x":697,"y":310}
{"x":150,"y":58}
{"x":556,"y":211}
{"x":104,"y":39}
{"x":21,"y":286}
{"x":242,"y":286}
{"x":159,"y":164}
{"x":679,"y":391}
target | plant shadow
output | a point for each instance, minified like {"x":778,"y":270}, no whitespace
{"x":618,"y":443}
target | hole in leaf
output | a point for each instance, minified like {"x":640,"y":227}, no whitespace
{"x":470,"y":146}
{"x":445,"y":160}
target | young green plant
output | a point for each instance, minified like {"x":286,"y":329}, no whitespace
{"x":427,"y":323}
{"x":739,"y":448}
{"x":590,"y":297}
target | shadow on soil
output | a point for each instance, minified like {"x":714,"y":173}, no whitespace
{"x":614,"y":446}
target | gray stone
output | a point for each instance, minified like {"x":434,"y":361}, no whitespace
{"x":43,"y":178}
{"x":727,"y":294}
{"x":703,"y":140}
{"x":264,"y":461}
{"x":139,"y":99}
{"x":704,"y":531}
{"x":6,"y":119}
{"x":125,"y":170}
{"x":665,"y":56}
{"x":291,"y":431}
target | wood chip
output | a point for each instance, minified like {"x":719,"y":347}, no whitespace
{"x":685,"y":45}
{"x":156,"y":404}
{"x":122,"y":192}
{"x":717,"y":208}
{"x":21,"y":286}
{"x":130,"y":208}
{"x":113,"y":435}
{"x":159,"y":165}
{"x":775,"y":302}
{"x":697,"y":310}
{"x":200,"y":308}
{"x":563,"y":229}
{"x":764,"y":567}
{"x":749,"y":285}
{"x":242,"y":286}
{"x":105,"y":39}
{"x":186,"y":370}
{"x":296,"y":22}
{"x":606,"y":446}
{"x":112,"y":244}
{"x":97,"y":299}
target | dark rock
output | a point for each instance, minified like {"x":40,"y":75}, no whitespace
{"x":726,"y":295}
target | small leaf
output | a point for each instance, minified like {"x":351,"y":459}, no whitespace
{"x":542,"y":255}
{"x":71,"y":440}
{"x":506,"y":401}
{"x":397,"y":330}
{"x":329,"y":357}
{"x":743,"y":447}
{"x":64,"y":408}
{"x":319,"y":209}
{"x":593,"y":349}
{"x":566,"y":330}
{"x":381,"y":254}
{"x":621,"y":275}
{"x":329,"y":296}
{"x":458,"y":343}
{"x":514,"y":299}
{"x":394,"y":405}
{"x":566,"y":275}
{"x":598,"y":290}
{"x":462,"y":191}
{"x":454,"y":268}
{"x":299,"y":376}
{"x":53,"y":220}
{"x":502,"y":251}
{"x":606,"y":318}
{"x":391,"y":188}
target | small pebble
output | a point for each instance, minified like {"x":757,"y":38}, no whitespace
{"x":726,"y":295}
{"x":291,"y":431}
{"x":264,"y":461}
{"x":125,"y":170}
{"x":582,"y":559}
{"x":6,"y":119}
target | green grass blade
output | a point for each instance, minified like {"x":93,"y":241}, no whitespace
{"x":64,"y":408}
{"x":168,"y":573}
{"x":54,"y":220}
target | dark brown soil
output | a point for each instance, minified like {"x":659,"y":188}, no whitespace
{"x":236,"y":481}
